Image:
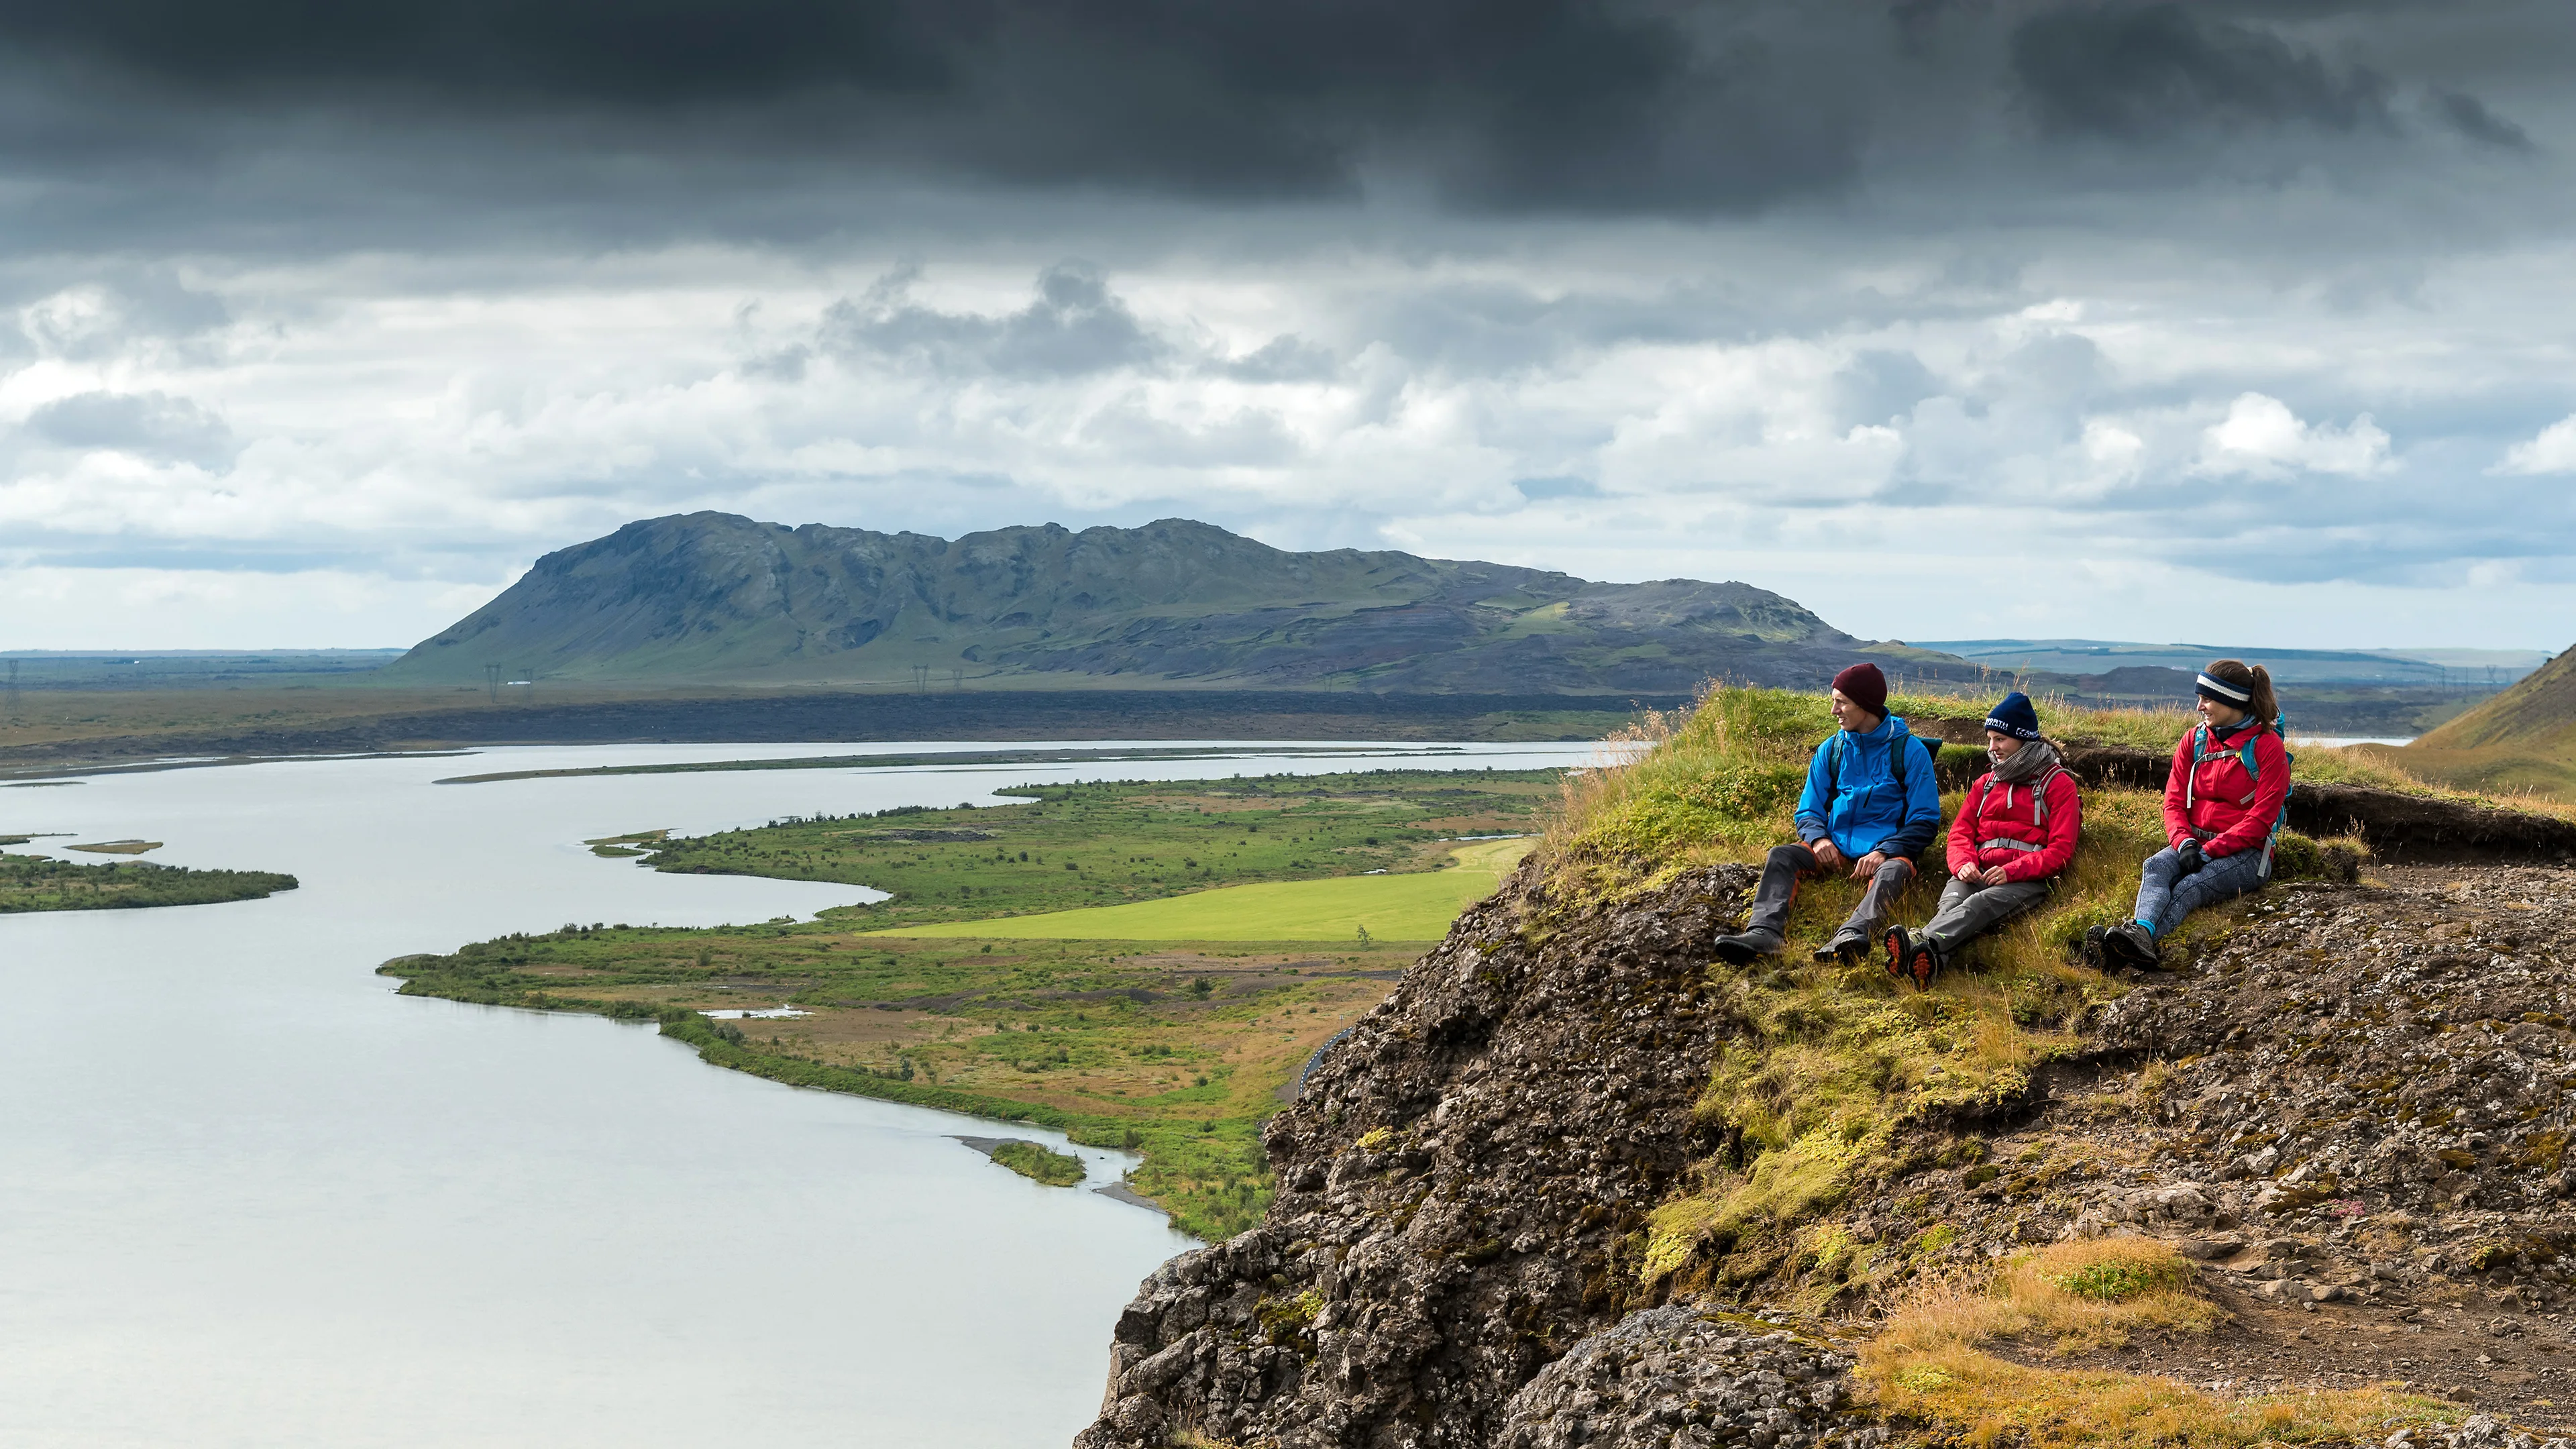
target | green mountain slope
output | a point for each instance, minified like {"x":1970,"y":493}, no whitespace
{"x":715,"y":598}
{"x":2522,"y":740}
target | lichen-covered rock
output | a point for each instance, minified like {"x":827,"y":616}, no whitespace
{"x":1454,"y":1181}
{"x":2396,"y":1056}
{"x":2481,"y":1431}
{"x":1675,"y":1378}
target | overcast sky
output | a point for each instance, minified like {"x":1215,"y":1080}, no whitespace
{"x":2246,"y":322}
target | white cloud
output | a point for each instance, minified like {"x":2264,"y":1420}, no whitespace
{"x":2262,"y":438}
{"x":2554,"y":451}
{"x":382,"y":427}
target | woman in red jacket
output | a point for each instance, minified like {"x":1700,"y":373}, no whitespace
{"x":2015,"y":831}
{"x":2223,"y":801}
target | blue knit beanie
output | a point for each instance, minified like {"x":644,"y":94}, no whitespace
{"x":2015,"y":717}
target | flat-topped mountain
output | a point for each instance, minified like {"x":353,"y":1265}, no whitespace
{"x":717,"y":598}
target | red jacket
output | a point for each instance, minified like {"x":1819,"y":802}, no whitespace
{"x":2216,"y":802}
{"x":2003,"y":825}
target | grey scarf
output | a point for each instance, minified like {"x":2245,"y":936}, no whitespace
{"x":2028,"y":763}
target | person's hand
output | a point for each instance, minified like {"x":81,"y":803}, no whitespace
{"x":1973,"y":875}
{"x":1827,"y":856}
{"x":1867,"y":865}
{"x":2189,"y":854}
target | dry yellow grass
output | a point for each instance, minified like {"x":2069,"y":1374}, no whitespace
{"x":1930,"y":1365}
{"x":2081,"y":1295}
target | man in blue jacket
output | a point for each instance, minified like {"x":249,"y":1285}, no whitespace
{"x":1871,"y":806}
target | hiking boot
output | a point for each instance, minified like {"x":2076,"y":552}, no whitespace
{"x":1925,"y":961}
{"x":1845,"y":948}
{"x":2130,"y":944}
{"x":2093,"y":956}
{"x":1899,"y":947}
{"x":1743,"y":947}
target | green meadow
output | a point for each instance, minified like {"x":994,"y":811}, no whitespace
{"x":1417,"y":906}
{"x":1078,"y":846}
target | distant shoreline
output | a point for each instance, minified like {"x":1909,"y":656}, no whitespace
{"x":836,"y":718}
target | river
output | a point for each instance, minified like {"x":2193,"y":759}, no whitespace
{"x":248,"y":1196}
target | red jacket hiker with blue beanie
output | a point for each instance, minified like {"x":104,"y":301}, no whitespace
{"x":2028,"y":831}
{"x":2016,"y":829}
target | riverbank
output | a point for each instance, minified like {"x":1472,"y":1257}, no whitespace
{"x":60,"y":731}
{"x":1175,"y":1049}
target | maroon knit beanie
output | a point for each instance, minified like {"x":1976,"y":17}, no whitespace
{"x":1863,"y":685}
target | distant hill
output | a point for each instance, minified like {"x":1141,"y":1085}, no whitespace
{"x":716,"y":598}
{"x":2523,"y":739}
{"x":2100,"y":657}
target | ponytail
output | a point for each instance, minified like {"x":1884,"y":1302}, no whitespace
{"x":2261,"y":705}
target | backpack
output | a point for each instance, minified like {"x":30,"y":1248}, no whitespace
{"x":2038,"y":810}
{"x":2038,"y":800}
{"x":2244,"y":753}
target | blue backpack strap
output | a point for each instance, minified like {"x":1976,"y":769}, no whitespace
{"x":2245,"y":756}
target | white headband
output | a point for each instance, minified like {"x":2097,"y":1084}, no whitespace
{"x":2230,"y":691}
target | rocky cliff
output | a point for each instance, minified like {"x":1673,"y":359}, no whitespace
{"x":2342,"y":1115}
{"x":714,"y":597}
{"x":1453,"y":1181}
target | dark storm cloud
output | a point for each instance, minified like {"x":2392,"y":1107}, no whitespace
{"x":2156,"y":70}
{"x":2469,"y":116}
{"x":290,"y":124}
{"x":1549,"y":103}
{"x":641,"y":52}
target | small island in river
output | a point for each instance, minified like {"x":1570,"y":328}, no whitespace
{"x":38,"y":883}
{"x":1035,"y":1161}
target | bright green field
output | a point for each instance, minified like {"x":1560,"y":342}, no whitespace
{"x":1413,"y":907}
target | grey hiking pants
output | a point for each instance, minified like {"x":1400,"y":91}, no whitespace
{"x":1969,"y":911}
{"x":1788,"y":863}
{"x":2165,"y":895}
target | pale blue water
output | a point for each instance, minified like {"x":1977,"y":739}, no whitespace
{"x":248,"y":1196}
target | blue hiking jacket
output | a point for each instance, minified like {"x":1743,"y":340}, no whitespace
{"x":1852,"y":794}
